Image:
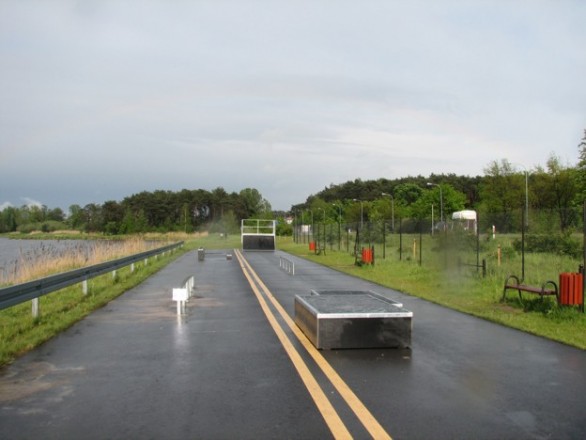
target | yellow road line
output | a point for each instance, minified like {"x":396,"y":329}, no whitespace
{"x":364,"y":415}
{"x":325,"y":407}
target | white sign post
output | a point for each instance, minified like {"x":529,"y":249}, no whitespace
{"x":180,"y":295}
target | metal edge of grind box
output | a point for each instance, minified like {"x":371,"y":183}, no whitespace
{"x":342,"y":319}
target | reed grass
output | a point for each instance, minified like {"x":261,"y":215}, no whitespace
{"x":440,"y":279}
{"x":48,"y":259}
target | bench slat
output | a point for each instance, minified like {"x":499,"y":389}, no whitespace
{"x":531,"y":289}
{"x":514,"y":283}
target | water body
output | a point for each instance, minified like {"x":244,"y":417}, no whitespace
{"x":15,"y":253}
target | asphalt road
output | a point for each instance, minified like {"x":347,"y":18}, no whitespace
{"x":135,"y":370}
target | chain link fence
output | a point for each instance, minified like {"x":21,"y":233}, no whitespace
{"x":496,"y":236}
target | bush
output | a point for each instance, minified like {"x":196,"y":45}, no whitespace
{"x":560,"y":244}
{"x":48,"y":226}
{"x":284,"y":229}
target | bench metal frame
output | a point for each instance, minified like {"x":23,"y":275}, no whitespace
{"x":520,"y":287}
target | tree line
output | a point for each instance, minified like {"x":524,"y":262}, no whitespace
{"x":553,"y":195}
{"x":157,"y":211}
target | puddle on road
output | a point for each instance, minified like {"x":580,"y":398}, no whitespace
{"x":21,"y":381}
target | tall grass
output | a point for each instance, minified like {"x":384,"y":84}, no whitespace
{"x":441,"y":278}
{"x":48,"y":259}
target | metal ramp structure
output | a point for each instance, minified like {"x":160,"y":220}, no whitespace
{"x":258,"y":235}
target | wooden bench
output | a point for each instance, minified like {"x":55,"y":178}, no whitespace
{"x":549,"y":288}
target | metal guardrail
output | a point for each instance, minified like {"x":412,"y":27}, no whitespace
{"x":19,"y":293}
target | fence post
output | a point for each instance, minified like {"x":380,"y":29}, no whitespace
{"x":420,"y":246}
{"x":35,"y":307}
{"x":84,"y":286}
{"x":400,"y":239}
{"x":384,"y":241}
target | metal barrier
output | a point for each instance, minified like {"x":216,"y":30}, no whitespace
{"x":32,"y":290}
{"x":287,"y":265}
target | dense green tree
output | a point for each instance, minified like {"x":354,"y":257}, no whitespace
{"x":76,"y":217}
{"x":38,"y":213}
{"x":407,"y":193}
{"x":252,"y":204}
{"x":503,"y":194}
{"x":56,"y":214}
{"x":8,"y":218}
{"x":439,"y":200}
{"x":93,"y":220}
{"x":564,"y":189}
{"x":112,"y":215}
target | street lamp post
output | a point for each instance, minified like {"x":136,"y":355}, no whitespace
{"x":392,"y":210}
{"x":441,"y":201}
{"x":312,"y":228}
{"x":339,"y":223}
{"x":294,"y":226}
{"x":526,"y":199}
{"x":324,"y":236}
{"x":361,"y":213}
{"x":526,"y":193}
{"x":361,"y":220}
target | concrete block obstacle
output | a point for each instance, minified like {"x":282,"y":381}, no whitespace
{"x":339,"y":319}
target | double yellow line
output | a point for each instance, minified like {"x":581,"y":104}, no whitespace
{"x":331,"y":417}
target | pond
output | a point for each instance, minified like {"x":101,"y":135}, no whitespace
{"x":15,"y":253}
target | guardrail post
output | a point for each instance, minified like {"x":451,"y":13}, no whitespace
{"x":287,"y":265}
{"x":146,"y":261}
{"x":190,"y":286}
{"x":132,"y":267}
{"x":114,"y":274}
{"x":35,"y":307}
{"x":84,"y":287}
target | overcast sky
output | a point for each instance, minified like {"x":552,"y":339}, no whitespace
{"x":100,"y":100}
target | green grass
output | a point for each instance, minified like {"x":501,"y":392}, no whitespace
{"x":441,"y":280}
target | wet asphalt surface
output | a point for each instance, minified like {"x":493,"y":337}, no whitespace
{"x":135,"y":370}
